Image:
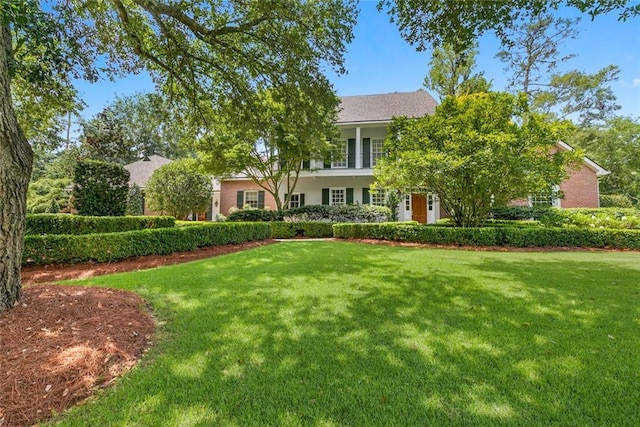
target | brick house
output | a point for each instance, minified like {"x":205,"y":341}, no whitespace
{"x":363,"y":123}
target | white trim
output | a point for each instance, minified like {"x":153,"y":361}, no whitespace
{"x":294,"y":194}
{"x":358,"y":148}
{"x":344,"y":193}
{"x":246,"y":202}
{"x":600,"y":171}
{"x":344,"y":160}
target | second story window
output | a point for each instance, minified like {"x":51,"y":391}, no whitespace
{"x":377,"y":150}
{"x":339,"y":157}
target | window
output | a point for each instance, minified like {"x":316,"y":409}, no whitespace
{"x":407,"y":202}
{"x":294,"y":200}
{"x":251,"y":199}
{"x":546,"y":199}
{"x":378,"y":198}
{"x":337,"y":196}
{"x":377,"y":150}
{"x":339,"y":156}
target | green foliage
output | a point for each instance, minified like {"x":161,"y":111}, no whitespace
{"x":135,"y":201}
{"x":593,"y":218}
{"x":475,"y":152}
{"x":493,"y":236}
{"x":310,"y":229}
{"x":270,"y":137}
{"x":450,"y":72}
{"x":615,"y":201}
{"x":426,"y":23}
{"x":107,"y":247}
{"x":616,"y":147}
{"x":45,"y":193}
{"x":519,"y":212}
{"x":77,"y":224}
{"x":314,"y":213}
{"x":179,"y":189}
{"x":100,"y":188}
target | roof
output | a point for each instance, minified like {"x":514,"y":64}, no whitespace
{"x":141,"y":171}
{"x":600,"y":171}
{"x":383,"y":107}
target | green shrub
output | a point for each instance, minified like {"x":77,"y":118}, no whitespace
{"x":135,"y":201}
{"x":519,"y":212}
{"x":77,"y":224}
{"x":614,"y":218}
{"x":615,"y":201}
{"x":492,"y":236}
{"x":56,"y":249}
{"x":313,"y":213}
{"x":100,"y":188}
{"x":311,"y":229}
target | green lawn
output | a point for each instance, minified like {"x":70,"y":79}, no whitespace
{"x":328,"y":333}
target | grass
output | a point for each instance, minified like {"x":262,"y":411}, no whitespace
{"x":328,"y":334}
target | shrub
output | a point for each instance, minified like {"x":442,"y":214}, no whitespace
{"x":343,"y":213}
{"x":135,"y":201}
{"x":76,"y":224}
{"x":614,"y":218}
{"x":519,"y":212}
{"x":103,"y":247}
{"x":100,"y":188}
{"x":311,"y":229}
{"x":491,"y":236}
{"x":615,"y":201}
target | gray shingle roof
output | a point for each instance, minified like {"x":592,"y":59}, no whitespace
{"x":142,"y":170}
{"x":383,"y":107}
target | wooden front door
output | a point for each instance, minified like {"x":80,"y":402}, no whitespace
{"x":419,"y":208}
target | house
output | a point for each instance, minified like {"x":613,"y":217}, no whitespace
{"x":363,"y":123}
{"x":140,"y":171}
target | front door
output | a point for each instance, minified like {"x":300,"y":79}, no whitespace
{"x":419,"y":208}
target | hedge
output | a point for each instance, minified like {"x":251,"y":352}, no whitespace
{"x":78,"y":224}
{"x":519,"y":212}
{"x":618,"y":218}
{"x":311,"y":229}
{"x":342,"y":213}
{"x":494,"y":236}
{"x":103,"y":247}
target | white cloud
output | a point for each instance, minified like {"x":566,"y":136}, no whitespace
{"x":635,"y":82}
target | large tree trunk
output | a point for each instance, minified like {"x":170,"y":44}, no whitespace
{"x":16,"y":159}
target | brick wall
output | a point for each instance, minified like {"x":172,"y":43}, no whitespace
{"x":229,"y":190}
{"x":581,"y":189}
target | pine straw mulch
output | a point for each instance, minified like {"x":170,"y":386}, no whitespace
{"x":60,"y":344}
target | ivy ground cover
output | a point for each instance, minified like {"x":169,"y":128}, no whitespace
{"x":336,"y":333}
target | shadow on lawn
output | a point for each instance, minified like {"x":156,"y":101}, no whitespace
{"x":360,"y":336}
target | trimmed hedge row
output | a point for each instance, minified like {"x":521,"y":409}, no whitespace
{"x":342,"y":213}
{"x":311,"y":229}
{"x":103,"y":247}
{"x":494,"y":236}
{"x":78,"y":224}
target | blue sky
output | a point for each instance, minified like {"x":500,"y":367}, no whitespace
{"x":380,"y":61}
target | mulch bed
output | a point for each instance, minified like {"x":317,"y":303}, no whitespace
{"x":60,"y":344}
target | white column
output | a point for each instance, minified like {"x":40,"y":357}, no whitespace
{"x":358,"y":149}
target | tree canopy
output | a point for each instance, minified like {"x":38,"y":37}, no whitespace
{"x":475,"y":152}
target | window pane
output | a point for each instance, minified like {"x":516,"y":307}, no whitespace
{"x":377,"y":150}
{"x":339,"y":157}
{"x":294,"y":200}
{"x":251,"y":198}
{"x":337,"y":196}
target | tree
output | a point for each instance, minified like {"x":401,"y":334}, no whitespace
{"x":616,"y":147}
{"x":533,"y":58}
{"x":100,"y":188}
{"x":47,"y":192}
{"x":197,"y":54}
{"x":179,"y":189}
{"x":450,"y":72}
{"x":270,"y":141}
{"x":475,"y":152}
{"x":135,"y":201}
{"x":135,"y":126}
{"x":426,"y":23}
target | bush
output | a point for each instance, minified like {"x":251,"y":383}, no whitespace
{"x":493,"y":236}
{"x":100,"y":188}
{"x":135,"y":201}
{"x":615,"y":201}
{"x":310,"y":229}
{"x":519,"y":212}
{"x":313,"y":213}
{"x":76,"y":224}
{"x":104,"y":247}
{"x":614,"y":218}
